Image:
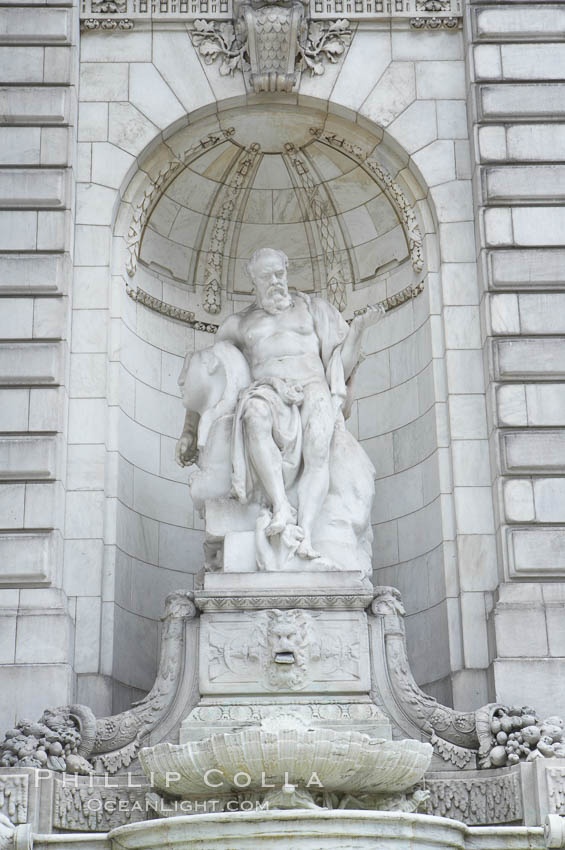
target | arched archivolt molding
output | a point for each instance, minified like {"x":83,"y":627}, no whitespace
{"x":372,"y":151}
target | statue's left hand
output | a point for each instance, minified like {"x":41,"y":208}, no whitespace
{"x":186,"y":450}
{"x":373,"y":314}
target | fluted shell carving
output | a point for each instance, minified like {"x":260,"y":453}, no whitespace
{"x":340,"y":761}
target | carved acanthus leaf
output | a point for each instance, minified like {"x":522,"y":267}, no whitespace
{"x":219,"y":40}
{"x":323,"y":40}
{"x":485,"y":800}
{"x":280,"y":39}
{"x":458,"y":756}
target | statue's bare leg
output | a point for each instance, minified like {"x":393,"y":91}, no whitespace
{"x":266,"y":458}
{"x":318,"y":419}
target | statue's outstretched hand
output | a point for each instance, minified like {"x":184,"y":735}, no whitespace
{"x":372,"y":314}
{"x":186,"y":450}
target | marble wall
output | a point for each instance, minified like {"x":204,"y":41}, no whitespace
{"x":458,"y":403}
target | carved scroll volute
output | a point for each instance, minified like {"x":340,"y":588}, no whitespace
{"x":119,"y":737}
{"x":272,"y":42}
{"x":452,"y":732}
{"x":388,"y":604}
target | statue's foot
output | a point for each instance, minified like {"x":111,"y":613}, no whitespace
{"x":281,"y":518}
{"x":307,"y":551}
{"x":292,"y":537}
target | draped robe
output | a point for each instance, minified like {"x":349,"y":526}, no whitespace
{"x":283,"y":398}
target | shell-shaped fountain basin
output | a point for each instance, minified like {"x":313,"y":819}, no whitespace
{"x":272,"y":755}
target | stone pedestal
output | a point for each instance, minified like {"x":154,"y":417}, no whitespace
{"x":292,"y":642}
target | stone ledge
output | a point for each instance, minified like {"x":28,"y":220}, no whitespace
{"x":259,"y":590}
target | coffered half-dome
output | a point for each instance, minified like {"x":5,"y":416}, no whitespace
{"x":323,"y":199}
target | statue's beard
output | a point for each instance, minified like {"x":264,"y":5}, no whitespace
{"x":275,"y":301}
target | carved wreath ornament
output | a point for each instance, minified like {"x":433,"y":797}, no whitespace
{"x":274,"y":42}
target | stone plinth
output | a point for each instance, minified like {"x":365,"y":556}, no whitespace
{"x":289,"y":641}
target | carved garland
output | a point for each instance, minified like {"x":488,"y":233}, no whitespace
{"x":188,"y":317}
{"x":215,"y":259}
{"x":335,"y":278}
{"x":390,"y":188}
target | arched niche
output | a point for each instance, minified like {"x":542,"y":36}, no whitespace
{"x":341,"y":201}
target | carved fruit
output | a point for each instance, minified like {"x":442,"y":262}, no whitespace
{"x":501,"y":738}
{"x":513,"y":758}
{"x":550,"y":731}
{"x":74,"y":764}
{"x":506,"y":724}
{"x":498,"y":756}
{"x":56,"y":748}
{"x":531,"y":735}
{"x":41,"y":756}
{"x":528,"y":720}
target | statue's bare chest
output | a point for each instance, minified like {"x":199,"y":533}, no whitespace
{"x":261,"y":327}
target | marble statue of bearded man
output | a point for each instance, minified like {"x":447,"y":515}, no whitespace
{"x":290,"y":453}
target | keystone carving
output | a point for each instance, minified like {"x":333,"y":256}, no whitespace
{"x":274,"y":42}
